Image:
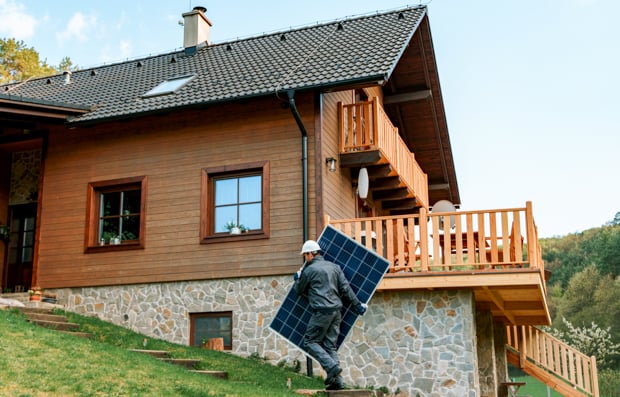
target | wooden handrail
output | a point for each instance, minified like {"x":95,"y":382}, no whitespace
{"x":365,"y":126}
{"x":449,"y":241}
{"x":555,"y":357}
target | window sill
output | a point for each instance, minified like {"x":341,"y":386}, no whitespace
{"x":226,"y":237}
{"x":112,"y":248}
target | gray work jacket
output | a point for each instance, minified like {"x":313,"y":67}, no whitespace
{"x":325,"y":286}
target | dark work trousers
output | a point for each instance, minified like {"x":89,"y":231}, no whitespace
{"x":321,"y":338}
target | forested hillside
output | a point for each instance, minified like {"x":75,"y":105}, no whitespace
{"x":584,"y":290}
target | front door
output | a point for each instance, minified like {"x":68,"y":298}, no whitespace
{"x":20,"y":252}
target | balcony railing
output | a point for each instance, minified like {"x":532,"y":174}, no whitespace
{"x":364,"y":127}
{"x":572,"y":373}
{"x":451,"y":241}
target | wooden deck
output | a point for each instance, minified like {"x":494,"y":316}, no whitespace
{"x":494,"y":252}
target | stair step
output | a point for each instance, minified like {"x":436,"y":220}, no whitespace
{"x":36,"y":309}
{"x":39,"y":316}
{"x":154,"y":353}
{"x":189,"y":363}
{"x":351,"y":393}
{"x":340,"y":393}
{"x":216,"y":374}
{"x":86,"y":335}
{"x":57,"y":325}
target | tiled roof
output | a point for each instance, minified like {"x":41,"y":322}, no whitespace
{"x":359,"y":49}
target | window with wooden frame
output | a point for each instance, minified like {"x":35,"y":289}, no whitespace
{"x":235,"y":202}
{"x":115,"y":214}
{"x":205,"y":326}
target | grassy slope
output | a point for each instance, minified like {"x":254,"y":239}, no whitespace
{"x":39,"y":362}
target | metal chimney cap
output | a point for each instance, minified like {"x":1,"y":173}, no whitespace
{"x":201,"y":9}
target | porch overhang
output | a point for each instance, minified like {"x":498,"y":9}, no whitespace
{"x":515,"y":297}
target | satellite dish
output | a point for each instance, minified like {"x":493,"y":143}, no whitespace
{"x":362,"y":183}
{"x":444,"y":206}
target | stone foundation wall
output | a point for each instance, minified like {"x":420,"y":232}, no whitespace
{"x":422,"y":342}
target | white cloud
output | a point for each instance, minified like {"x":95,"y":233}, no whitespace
{"x":78,"y":27}
{"x":16,"y":23}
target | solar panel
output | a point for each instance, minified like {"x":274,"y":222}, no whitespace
{"x":364,"y":270}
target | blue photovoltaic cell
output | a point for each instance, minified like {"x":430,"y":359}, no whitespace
{"x":362,"y":267}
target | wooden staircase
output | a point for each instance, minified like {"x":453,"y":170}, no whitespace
{"x":552,"y":361}
{"x":188,"y":363}
{"x":45,"y":317}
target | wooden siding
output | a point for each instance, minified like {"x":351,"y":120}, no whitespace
{"x":171,"y":150}
{"x":338,"y":193}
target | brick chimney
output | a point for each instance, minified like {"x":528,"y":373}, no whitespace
{"x":196,"y":31}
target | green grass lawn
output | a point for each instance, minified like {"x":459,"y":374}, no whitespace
{"x":36,"y":361}
{"x":534,"y":387}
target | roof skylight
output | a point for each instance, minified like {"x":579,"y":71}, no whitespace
{"x":169,"y":86}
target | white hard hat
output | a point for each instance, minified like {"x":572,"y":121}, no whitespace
{"x":310,"y":246}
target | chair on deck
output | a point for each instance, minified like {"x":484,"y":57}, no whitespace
{"x":406,"y":265}
{"x":512,"y":251}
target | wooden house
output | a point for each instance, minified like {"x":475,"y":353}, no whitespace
{"x":121,"y":187}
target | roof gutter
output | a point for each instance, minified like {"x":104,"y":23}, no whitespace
{"x":304,"y":178}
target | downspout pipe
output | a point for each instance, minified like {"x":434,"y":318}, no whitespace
{"x":304,"y":159}
{"x":304,"y":178}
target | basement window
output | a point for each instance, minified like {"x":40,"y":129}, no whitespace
{"x":205,"y":326}
{"x":169,"y":86}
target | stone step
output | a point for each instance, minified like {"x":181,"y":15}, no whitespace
{"x":38,"y":308}
{"x":57,"y":325}
{"x":340,"y":393}
{"x":216,"y":374}
{"x":351,"y":393}
{"x":189,"y":363}
{"x":154,"y":353}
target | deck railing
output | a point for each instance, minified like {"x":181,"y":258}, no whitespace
{"x":451,"y":241}
{"x":568,"y":365}
{"x":364,"y":126}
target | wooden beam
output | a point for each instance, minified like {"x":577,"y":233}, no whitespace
{"x":358,"y":159}
{"x":390,"y":182}
{"x":499,"y":303}
{"x":399,"y":204}
{"x":380,"y":171}
{"x":393,"y":194}
{"x":439,"y":186}
{"x":407,"y":97}
{"x":530,"y":280}
{"x":524,"y":305}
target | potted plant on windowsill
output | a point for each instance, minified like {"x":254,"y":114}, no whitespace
{"x":235,"y":228}
{"x":5,"y":232}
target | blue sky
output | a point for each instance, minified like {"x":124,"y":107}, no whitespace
{"x":531,"y":89}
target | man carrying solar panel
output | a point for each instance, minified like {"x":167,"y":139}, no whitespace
{"x":324,"y":285}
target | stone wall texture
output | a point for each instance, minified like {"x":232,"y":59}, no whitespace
{"x":422,"y":343}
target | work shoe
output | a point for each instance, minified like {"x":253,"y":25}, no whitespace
{"x":332,"y":374}
{"x":337,"y":384}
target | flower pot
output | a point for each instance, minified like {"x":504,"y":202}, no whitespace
{"x":235,"y":230}
{"x":35,"y":297}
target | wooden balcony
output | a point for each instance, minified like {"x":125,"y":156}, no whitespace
{"x":494,"y":252}
{"x":369,"y":139}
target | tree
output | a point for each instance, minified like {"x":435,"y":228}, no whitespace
{"x":18,"y":62}
{"x":590,"y":340}
{"x":615,"y":221}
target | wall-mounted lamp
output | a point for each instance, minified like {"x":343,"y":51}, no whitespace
{"x":331,"y":164}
